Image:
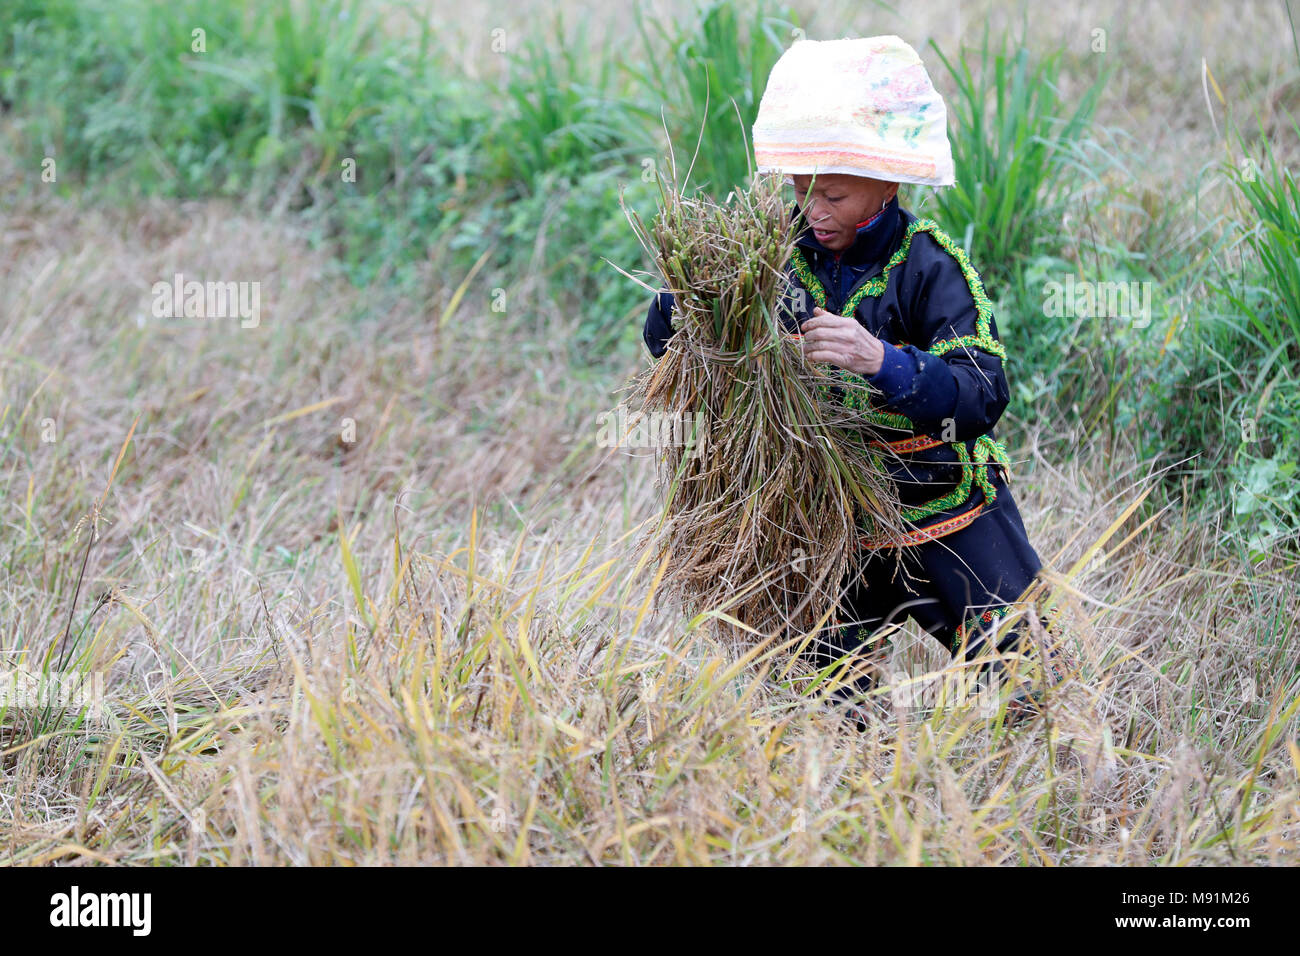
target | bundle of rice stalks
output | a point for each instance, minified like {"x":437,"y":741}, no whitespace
{"x":775,"y":479}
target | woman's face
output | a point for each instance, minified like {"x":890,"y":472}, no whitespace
{"x":834,"y":204}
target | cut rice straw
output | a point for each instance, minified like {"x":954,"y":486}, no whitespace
{"x":769,"y":479}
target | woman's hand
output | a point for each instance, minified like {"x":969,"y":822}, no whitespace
{"x":842,"y":341}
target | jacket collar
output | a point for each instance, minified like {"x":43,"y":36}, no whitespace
{"x":875,"y":239}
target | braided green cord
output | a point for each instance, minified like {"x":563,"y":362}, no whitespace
{"x":953,"y":498}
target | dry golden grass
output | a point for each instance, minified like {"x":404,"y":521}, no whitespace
{"x":473,"y":671}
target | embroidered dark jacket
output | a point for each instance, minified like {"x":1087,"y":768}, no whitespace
{"x":941,"y":388}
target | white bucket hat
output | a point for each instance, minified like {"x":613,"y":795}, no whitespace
{"x":864,"y":107}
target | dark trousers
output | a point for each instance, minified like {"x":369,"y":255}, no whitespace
{"x":945,"y":585}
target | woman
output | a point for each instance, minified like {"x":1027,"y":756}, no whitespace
{"x":892,"y":302}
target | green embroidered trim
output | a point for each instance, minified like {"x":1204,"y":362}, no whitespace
{"x":986,"y":344}
{"x":875,"y":287}
{"x":953,"y":498}
{"x":986,"y":449}
{"x":983,"y":337}
{"x":806,"y":277}
{"x":856,"y":398}
{"x":985,"y":619}
{"x":973,"y":471}
{"x":887,"y":419}
{"x":997,"y":450}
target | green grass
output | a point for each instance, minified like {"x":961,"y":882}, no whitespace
{"x":127,"y":93}
{"x":704,"y":84}
{"x":284,"y":94}
{"x":1262,"y":346}
{"x":1013,"y":142}
{"x":562,"y":112}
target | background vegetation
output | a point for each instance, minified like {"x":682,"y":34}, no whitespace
{"x":432,"y":642}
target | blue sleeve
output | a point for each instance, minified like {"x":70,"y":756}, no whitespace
{"x":897,"y":371}
{"x":658,"y":324}
{"x":964,"y":390}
